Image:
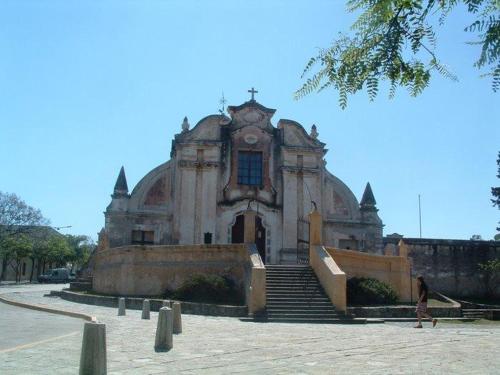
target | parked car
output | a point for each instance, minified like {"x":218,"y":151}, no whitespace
{"x":56,"y":275}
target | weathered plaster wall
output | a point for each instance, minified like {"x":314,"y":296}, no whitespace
{"x":450,"y":266}
{"x":393,"y":270}
{"x":151,"y":270}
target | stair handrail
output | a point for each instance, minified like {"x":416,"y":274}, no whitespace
{"x":331,"y":277}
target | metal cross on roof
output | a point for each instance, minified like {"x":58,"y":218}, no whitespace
{"x":253,"y":92}
{"x":223,"y":101}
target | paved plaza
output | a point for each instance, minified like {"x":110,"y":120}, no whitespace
{"x":217,"y":345}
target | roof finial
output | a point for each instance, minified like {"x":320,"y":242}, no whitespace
{"x":185,"y":124}
{"x":368,"y":202}
{"x":253,"y":92}
{"x":314,"y":132}
{"x":121,"y":188}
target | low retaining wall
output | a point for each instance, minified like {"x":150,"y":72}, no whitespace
{"x":155,"y":304}
{"x":454,"y":310}
{"x":393,"y":270}
{"x":403,"y":312}
{"x":152,"y":270}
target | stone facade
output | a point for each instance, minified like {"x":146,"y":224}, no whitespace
{"x":449,"y":266}
{"x":225,"y":165}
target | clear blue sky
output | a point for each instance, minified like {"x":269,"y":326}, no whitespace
{"x":89,"y":86}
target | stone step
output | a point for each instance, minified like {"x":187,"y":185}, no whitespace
{"x":293,"y":286}
{"x":285,"y":303}
{"x":294,"y":296}
{"x":479,"y":315}
{"x":300,"y":306}
{"x":302,"y":288}
{"x":304,"y":270}
{"x":303,"y":316}
{"x":292,"y":280}
{"x":290,"y":276}
{"x":297,"y":301}
{"x":296,"y":278}
{"x":289,"y":271}
{"x":300,"y":310}
{"x":317,"y":320}
{"x":297,"y":288}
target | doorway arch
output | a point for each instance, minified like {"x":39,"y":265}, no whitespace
{"x":238,"y":234}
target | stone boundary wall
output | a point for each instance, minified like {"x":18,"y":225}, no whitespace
{"x":450,"y":266}
{"x":403,"y":312}
{"x":454,"y":310}
{"x":155,"y":304}
{"x":393,"y":270}
{"x":152,"y":270}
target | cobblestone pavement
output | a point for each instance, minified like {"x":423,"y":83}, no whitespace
{"x":226,"y":345}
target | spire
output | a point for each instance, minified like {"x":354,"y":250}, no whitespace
{"x":368,"y":201}
{"x":185,"y":124}
{"x":121,"y":188}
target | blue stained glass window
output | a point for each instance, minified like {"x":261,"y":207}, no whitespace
{"x":250,"y":168}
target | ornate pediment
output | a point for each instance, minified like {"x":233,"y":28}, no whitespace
{"x":296,"y":137}
{"x":251,"y":113}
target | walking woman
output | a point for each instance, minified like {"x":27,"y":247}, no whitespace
{"x":423,"y":292}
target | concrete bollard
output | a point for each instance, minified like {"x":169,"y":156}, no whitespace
{"x":176,"y":307}
{"x":146,"y":308}
{"x":93,"y":356}
{"x":121,"y":306}
{"x":164,"y":330}
{"x":166,"y":303}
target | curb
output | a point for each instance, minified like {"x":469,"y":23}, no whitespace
{"x":135,"y":303}
{"x":49,"y":310}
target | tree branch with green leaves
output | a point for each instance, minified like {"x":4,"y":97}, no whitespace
{"x":395,"y":41}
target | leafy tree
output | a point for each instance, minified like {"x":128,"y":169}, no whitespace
{"x":16,"y":218}
{"x":59,"y":250}
{"x":81,"y":247}
{"x":394,"y":40}
{"x":491,"y":273}
{"x":495,"y":191}
{"x":15,"y":249}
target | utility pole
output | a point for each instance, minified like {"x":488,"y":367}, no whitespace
{"x":419,"y":216}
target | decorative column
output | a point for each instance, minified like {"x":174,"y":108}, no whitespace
{"x":249,"y":231}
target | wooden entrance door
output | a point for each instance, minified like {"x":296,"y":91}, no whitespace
{"x":238,"y":230}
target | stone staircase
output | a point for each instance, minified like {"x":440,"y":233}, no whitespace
{"x":474,"y":313}
{"x":81,"y":284}
{"x":294,"y":294}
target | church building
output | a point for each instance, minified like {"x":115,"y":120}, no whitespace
{"x":225,"y":165}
